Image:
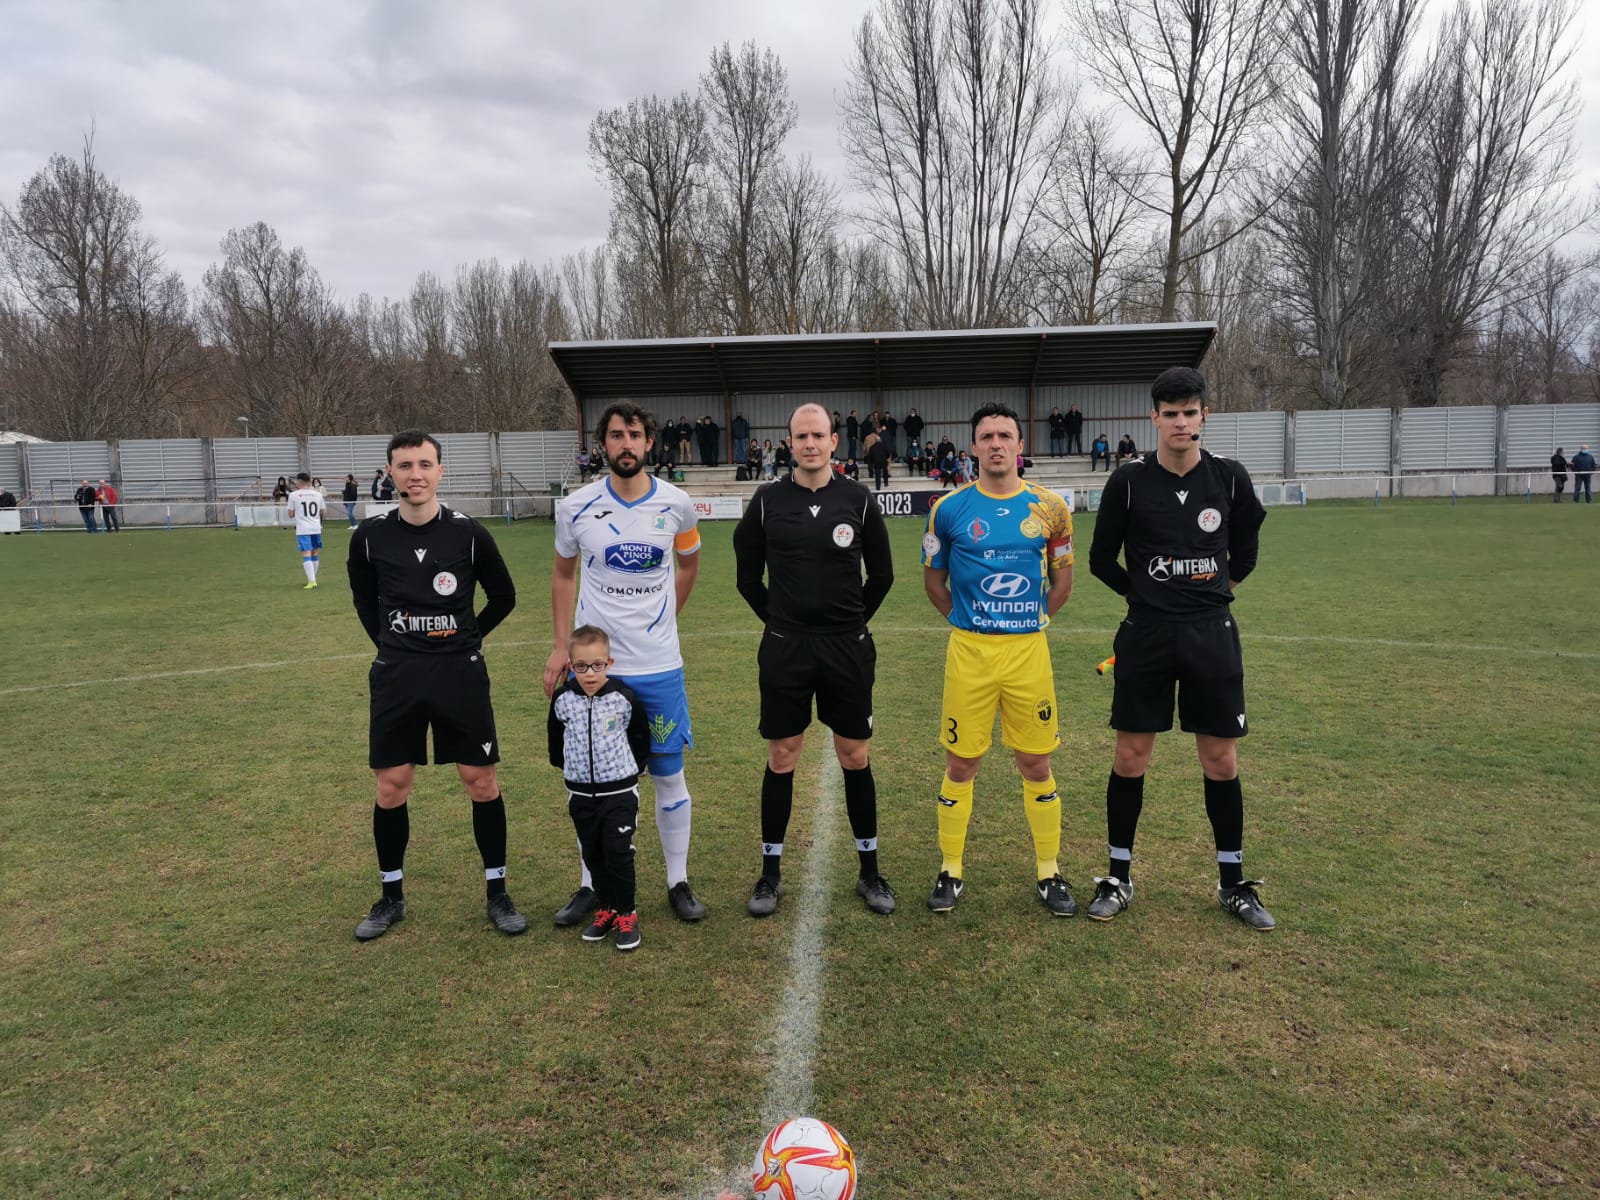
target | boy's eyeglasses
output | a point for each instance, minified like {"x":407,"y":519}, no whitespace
{"x":593,"y":668}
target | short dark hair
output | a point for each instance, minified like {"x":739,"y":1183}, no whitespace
{"x":630,"y":413}
{"x":407,"y":438}
{"x":302,"y":478}
{"x":588,"y":635}
{"x":1177,"y":383}
{"x":994,"y":410}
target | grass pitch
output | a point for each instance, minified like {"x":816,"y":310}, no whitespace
{"x":185,"y":848}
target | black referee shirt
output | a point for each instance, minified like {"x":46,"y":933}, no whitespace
{"x":811,"y":545}
{"x":1183,"y":536}
{"x":413,"y":584}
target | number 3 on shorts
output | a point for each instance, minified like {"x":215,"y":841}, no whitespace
{"x":950,"y":734}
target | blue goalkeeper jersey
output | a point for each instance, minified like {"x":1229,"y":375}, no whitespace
{"x":999,"y":551}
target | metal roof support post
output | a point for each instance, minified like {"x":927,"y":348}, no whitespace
{"x":114,"y":462}
{"x":727,"y":402}
{"x":494,"y":465}
{"x":1289,"y":471}
{"x":1395,"y":416}
{"x":577,"y":404}
{"x":1033,"y":389}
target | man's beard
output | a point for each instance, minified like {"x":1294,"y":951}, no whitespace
{"x":626,"y":467}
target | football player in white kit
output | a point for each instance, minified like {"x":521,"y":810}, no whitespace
{"x":305,"y":510}
{"x":637,"y":540}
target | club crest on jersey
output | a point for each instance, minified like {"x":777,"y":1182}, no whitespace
{"x":843,"y":534}
{"x":979,"y":529}
{"x":635,"y":558}
{"x":1210,"y":520}
{"x":444,"y":583}
{"x":660,"y":522}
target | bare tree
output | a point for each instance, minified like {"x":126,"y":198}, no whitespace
{"x":586,"y":277}
{"x":1199,"y":76}
{"x":161,"y":355}
{"x":66,"y":248}
{"x":1089,"y":226}
{"x":797,"y":293}
{"x":747,"y":101}
{"x":1487,"y":199}
{"x":653,"y":153}
{"x":1341,"y":164}
{"x":953,"y":123}
{"x":1555,"y":311}
{"x":505,"y":321}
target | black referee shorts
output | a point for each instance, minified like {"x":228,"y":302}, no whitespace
{"x":837,"y":669}
{"x":449,"y":692}
{"x":1202,"y":658}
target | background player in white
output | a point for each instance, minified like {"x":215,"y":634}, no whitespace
{"x":638,"y":540}
{"x":305,"y":510}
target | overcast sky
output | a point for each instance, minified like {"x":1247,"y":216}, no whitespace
{"x":391,"y":138}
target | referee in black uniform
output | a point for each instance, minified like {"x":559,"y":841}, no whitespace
{"x":1188,"y":525}
{"x":412,"y":573}
{"x":810,"y":534}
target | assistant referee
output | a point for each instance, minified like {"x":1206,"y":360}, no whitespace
{"x":1188,"y":525}
{"x":412,"y":574}
{"x":811,"y":534}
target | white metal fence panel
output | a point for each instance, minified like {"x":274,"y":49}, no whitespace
{"x":531,"y":462}
{"x":1446,"y":439}
{"x":466,"y":462}
{"x":334,"y":457}
{"x":1253,"y":438}
{"x":162,"y":469}
{"x":249,"y":467}
{"x":55,"y":469}
{"x":11,"y":468}
{"x":1533,"y":431}
{"x":1342,"y":440}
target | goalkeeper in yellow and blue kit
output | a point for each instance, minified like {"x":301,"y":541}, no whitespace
{"x":997,"y":563}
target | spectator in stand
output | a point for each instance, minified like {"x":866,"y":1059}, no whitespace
{"x":377,"y":484}
{"x":708,"y":432}
{"x":1074,"y":430}
{"x":888,"y":427}
{"x":386,"y":489}
{"x":685,"y":435}
{"x":752,"y":458}
{"x":1099,"y":449}
{"x":946,"y":446}
{"x":741,"y":438}
{"x":106,"y":494}
{"x":916,"y":459}
{"x":350,"y":495}
{"x":1126,"y":449}
{"x":852,"y":430}
{"x":947,"y":469}
{"x":1058,"y":432}
{"x":84,"y":498}
{"x":964,"y":469}
{"x":785,"y":456}
{"x":913,"y":426}
{"x":769,"y":460}
{"x":580,"y":457}
{"x":852,"y":469}
{"x":280,"y":490}
{"x":930,"y":459}
{"x":878,"y":455}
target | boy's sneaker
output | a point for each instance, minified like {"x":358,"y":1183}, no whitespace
{"x":604,"y":919}
{"x":1242,"y":901}
{"x":875,"y":890}
{"x":1111,"y":896}
{"x":764,"y":897}
{"x":946,"y":891}
{"x":384,"y":913}
{"x":685,"y":904}
{"x":1055,"y":894}
{"x":627,"y":927}
{"x":505,"y":916}
{"x":576,"y":909}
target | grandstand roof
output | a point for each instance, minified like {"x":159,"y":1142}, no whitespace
{"x":831,"y":362}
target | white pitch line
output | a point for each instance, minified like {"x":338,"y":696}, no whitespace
{"x":886,"y":630}
{"x":793,"y":1049}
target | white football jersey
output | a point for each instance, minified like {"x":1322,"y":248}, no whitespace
{"x":626,"y":568}
{"x":305,"y":506}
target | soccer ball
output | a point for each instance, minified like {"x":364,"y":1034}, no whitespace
{"x":804,"y":1159}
